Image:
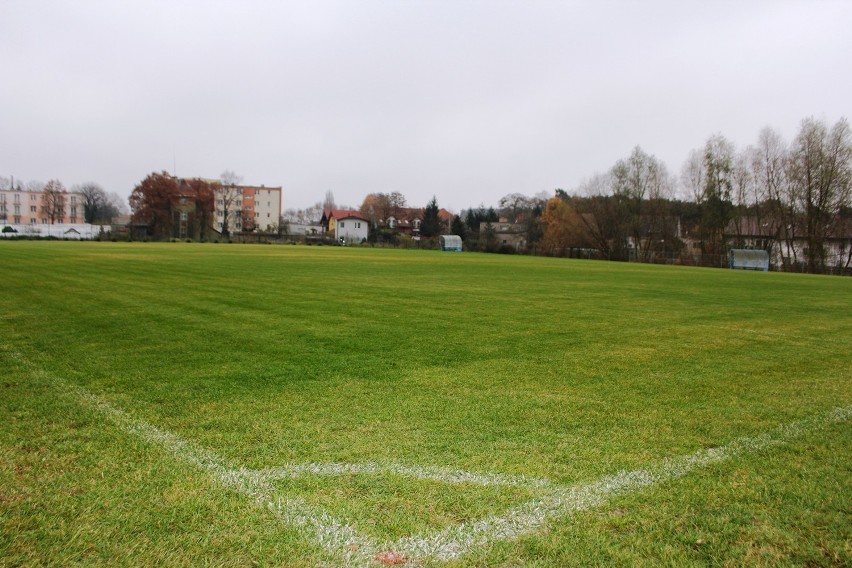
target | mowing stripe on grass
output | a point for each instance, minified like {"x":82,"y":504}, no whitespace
{"x":343,"y":542}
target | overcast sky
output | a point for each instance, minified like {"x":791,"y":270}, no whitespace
{"x":464,"y":100}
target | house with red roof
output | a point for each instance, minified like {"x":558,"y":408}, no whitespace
{"x":409,"y":219}
{"x":345,"y":226}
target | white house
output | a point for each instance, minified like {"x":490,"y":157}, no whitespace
{"x":351,"y":229}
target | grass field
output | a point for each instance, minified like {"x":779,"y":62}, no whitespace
{"x":200,"y":404}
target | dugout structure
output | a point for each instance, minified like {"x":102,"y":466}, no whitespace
{"x":451,"y":243}
{"x":748,"y":259}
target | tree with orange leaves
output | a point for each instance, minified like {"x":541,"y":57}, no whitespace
{"x":563,"y":227}
{"x":172,"y":207}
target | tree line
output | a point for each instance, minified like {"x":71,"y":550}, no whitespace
{"x":792,"y":198}
{"x":768,"y":194}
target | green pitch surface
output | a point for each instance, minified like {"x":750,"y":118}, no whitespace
{"x":200,"y":404}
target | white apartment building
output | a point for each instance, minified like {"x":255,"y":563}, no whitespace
{"x":248,"y":208}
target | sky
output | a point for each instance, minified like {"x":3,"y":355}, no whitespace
{"x":463,"y":100}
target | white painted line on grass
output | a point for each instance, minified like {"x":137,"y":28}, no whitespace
{"x":344,"y":543}
{"x":461,"y":539}
{"x":426,"y":473}
{"x":336,"y":538}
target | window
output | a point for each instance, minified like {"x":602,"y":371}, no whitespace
{"x":183,"y":216}
{"x":32,"y":221}
{"x":341,"y":224}
{"x":32,"y":197}
{"x":357,"y":225}
{"x":73,"y":199}
{"x":32,"y":208}
{"x":44,"y":221}
{"x":17,"y":198}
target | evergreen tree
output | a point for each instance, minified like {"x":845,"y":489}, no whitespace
{"x":431,"y":225}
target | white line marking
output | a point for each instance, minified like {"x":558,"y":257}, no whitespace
{"x":458,"y":540}
{"x":428,"y":473}
{"x":333,"y":536}
{"x":342,"y":542}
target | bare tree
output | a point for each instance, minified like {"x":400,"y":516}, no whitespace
{"x":53,"y":201}
{"x":516,"y":205}
{"x":773,"y":212}
{"x":118,"y":203}
{"x":717,"y":191}
{"x":378,"y":207}
{"x":229,"y":199}
{"x":604,"y":216}
{"x":93,"y":198}
{"x":94,"y":203}
{"x":820,"y":172}
{"x":639,"y":185}
{"x":35,"y":186}
{"x":397,"y":203}
{"x":742,"y":182}
{"x":692,"y":176}
{"x":328,"y":202}
{"x":98,"y":205}
{"x":305,"y":216}
{"x":230,"y":178}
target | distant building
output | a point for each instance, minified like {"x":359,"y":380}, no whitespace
{"x":787,"y":249}
{"x":20,"y":207}
{"x":248,"y":207}
{"x":407,"y":220}
{"x":513,"y":235}
{"x":349,"y":227}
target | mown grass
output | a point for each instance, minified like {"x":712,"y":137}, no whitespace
{"x":566,"y":370}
